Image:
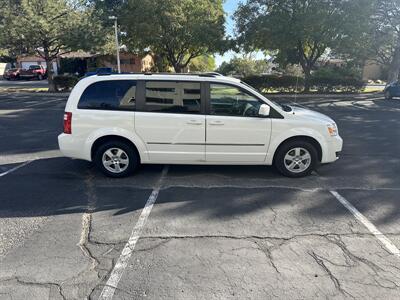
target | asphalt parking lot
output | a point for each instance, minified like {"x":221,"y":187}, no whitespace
{"x":29,"y":83}
{"x":214,"y":232}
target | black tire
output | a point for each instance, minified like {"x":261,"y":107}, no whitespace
{"x":40,"y":77}
{"x":388,"y":95}
{"x":280,"y":162}
{"x":131,"y":154}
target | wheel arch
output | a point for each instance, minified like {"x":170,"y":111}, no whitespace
{"x":104,"y":139}
{"x":303,"y":138}
{"x":103,"y":135}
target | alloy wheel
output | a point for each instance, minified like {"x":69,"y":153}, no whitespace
{"x":297,"y":160}
{"x":115,"y":160}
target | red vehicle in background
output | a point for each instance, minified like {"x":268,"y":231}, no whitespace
{"x":34,"y":72}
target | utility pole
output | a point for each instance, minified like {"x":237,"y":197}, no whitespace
{"x":116,"y":41}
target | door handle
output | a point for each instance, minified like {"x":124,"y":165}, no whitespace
{"x":194,"y":122}
{"x":216,"y":123}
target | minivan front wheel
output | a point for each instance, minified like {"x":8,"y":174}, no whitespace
{"x":116,"y":159}
{"x":296,"y":159}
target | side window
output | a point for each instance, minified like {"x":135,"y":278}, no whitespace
{"x":228,"y":100}
{"x":109,"y":95}
{"x":173,"y":97}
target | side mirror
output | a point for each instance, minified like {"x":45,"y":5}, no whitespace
{"x":264,"y":110}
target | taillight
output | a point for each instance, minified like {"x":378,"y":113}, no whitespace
{"x":67,"y":122}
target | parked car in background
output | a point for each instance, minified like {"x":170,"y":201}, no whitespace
{"x":33,"y":72}
{"x":122,"y":121}
{"x":392,"y":90}
{"x":11,"y":74}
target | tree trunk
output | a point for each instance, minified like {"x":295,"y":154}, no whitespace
{"x":50,"y":75}
{"x":307,"y":77}
{"x":178,"y":68}
{"x":394,"y":69}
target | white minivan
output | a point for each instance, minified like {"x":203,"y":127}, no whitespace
{"x":121,"y":121}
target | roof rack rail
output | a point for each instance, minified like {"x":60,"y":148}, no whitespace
{"x":210,"y":74}
{"x":206,"y":74}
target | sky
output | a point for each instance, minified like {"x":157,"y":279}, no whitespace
{"x":230,"y":7}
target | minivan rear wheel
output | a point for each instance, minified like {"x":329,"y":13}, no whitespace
{"x":296,"y":159}
{"x":116,"y":159}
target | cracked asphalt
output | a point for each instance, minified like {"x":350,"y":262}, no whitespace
{"x":214,"y":232}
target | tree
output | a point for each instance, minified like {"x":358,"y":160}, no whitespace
{"x":50,"y":28}
{"x":177,"y":30}
{"x":204,"y":63}
{"x":244,"y":66}
{"x":386,"y":36}
{"x":300,"y":30}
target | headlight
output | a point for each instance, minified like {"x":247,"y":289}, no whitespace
{"x":332,"y":129}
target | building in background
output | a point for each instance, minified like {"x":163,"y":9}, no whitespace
{"x":130,"y":62}
{"x":80,"y":62}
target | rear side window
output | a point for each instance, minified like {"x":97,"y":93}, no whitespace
{"x":109,"y":95}
{"x":173,"y":97}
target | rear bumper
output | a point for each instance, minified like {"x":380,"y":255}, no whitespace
{"x":333,"y":150}
{"x":72,"y":147}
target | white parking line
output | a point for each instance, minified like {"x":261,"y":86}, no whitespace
{"x":15,"y":168}
{"x":371,"y":227}
{"x":121,"y":264}
{"x":44,"y":102}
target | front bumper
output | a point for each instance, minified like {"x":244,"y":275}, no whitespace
{"x":333,"y":150}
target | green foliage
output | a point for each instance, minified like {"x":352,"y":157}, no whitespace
{"x":385,"y":36}
{"x":267,"y":83}
{"x":322,"y":82}
{"x":65,"y":82}
{"x":49,"y":28}
{"x":204,"y":63}
{"x":243,"y":66}
{"x":301,"y":30}
{"x":337,"y":72}
{"x":178,"y":30}
{"x":330,"y":79}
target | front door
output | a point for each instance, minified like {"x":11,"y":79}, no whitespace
{"x":234,"y":131}
{"x":171,"y":122}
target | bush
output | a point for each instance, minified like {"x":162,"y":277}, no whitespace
{"x":267,"y":83}
{"x":336,"y":79}
{"x":65,"y":82}
{"x":332,"y":84}
{"x":323,"y":81}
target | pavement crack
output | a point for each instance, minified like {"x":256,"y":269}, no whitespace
{"x":349,"y":255}
{"x":268,"y":254}
{"x":26,"y":282}
{"x":87,"y":222}
{"x":249,"y":237}
{"x":84,"y":240}
{"x":320,"y":261}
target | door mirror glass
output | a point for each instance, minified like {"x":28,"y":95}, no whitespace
{"x":264,"y":110}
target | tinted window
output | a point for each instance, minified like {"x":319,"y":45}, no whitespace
{"x":113,"y":94}
{"x":173,"y":97}
{"x":231,"y":101}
